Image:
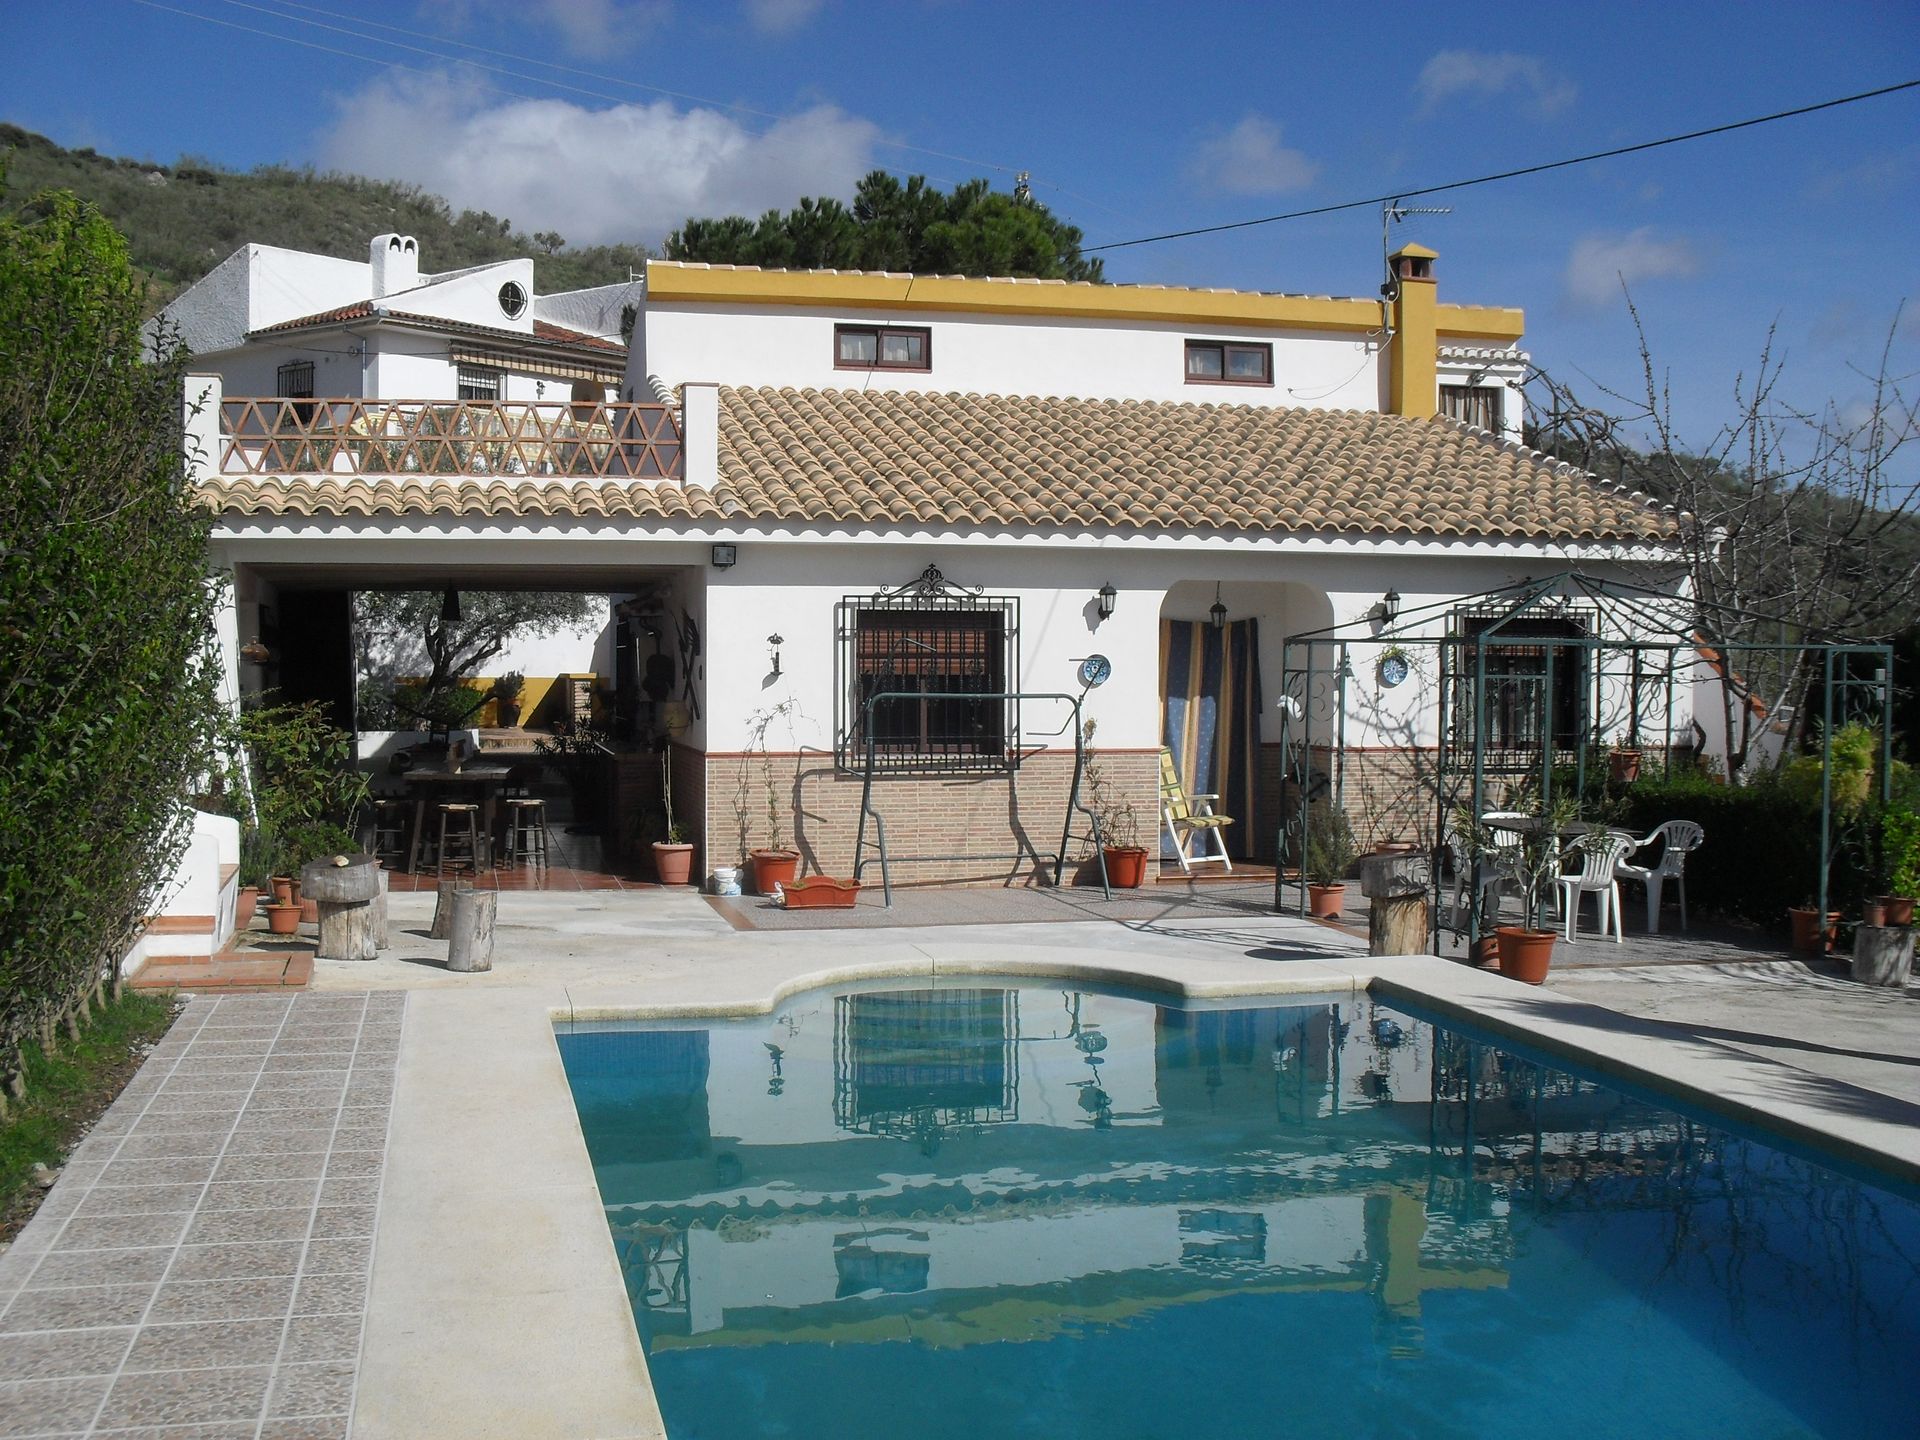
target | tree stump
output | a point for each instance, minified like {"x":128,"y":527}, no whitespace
{"x":470,"y":945}
{"x":344,"y":888}
{"x":1882,"y":954}
{"x":443,"y":907}
{"x":1397,"y":885}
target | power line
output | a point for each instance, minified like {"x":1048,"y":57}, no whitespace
{"x":1393,"y":195}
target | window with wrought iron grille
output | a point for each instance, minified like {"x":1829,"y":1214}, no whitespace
{"x":294,"y":381}
{"x":925,"y":674}
{"x":1531,"y":684}
{"x":477,"y":383}
{"x":1474,"y":404}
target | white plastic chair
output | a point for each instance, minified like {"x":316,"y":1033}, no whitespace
{"x":1497,"y":863}
{"x":1595,"y":877}
{"x":1682,"y":838}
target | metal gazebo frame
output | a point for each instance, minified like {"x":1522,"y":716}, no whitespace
{"x":1612,"y":632}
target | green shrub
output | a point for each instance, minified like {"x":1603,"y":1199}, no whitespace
{"x":1900,"y":849}
{"x":107,"y":691}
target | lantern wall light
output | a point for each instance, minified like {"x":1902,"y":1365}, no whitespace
{"x":1107,"y":595}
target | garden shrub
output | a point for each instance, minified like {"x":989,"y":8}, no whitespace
{"x":107,"y":691}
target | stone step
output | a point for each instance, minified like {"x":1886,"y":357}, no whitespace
{"x":231,"y":971}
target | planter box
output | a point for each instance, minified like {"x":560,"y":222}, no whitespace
{"x":821,"y":892}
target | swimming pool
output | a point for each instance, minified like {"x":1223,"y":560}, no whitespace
{"x":1009,"y":1210}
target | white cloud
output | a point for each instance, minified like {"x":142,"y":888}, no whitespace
{"x":620,"y":172}
{"x":1483,"y":75}
{"x":1250,"y":160}
{"x":781,"y":17}
{"x":1600,"y":264}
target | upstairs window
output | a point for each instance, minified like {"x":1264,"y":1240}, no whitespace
{"x":1474,"y":404}
{"x":881,"y":347}
{"x":478,"y":383}
{"x":294,"y":381}
{"x":1228,"y":362}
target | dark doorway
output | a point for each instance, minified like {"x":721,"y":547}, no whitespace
{"x":316,"y":651}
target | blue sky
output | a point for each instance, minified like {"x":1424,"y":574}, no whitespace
{"x":621,"y":117}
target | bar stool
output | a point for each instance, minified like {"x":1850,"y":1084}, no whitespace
{"x":459,"y":837}
{"x":390,"y":828}
{"x":526,"y":830}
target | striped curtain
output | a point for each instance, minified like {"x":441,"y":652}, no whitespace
{"x":1210,"y":684}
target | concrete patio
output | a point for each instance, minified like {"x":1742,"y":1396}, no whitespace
{"x":494,"y":1305}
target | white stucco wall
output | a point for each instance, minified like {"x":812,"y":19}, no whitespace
{"x":1001,"y":355}
{"x":594,"y":311}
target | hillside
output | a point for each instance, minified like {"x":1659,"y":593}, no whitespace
{"x":181,"y":220}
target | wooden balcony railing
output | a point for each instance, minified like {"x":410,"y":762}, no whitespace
{"x":435,"y":437}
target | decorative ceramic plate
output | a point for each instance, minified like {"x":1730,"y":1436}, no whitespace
{"x":1393,"y":670}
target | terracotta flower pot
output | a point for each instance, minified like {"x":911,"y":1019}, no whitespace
{"x":1899,"y":909}
{"x":284,"y":888}
{"x":1484,"y":952}
{"x":1324,"y":901}
{"x":773,"y":867}
{"x":309,"y":911}
{"x":283,"y":919}
{"x":1810,"y":937}
{"x":244,"y":907}
{"x":1126,"y":866}
{"x":821,"y":892}
{"x":1525,"y":954}
{"x":1623,"y":766}
{"x":1873,"y":912}
{"x":672,"y":863}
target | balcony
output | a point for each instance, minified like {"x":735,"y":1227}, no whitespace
{"x":467,"y":438}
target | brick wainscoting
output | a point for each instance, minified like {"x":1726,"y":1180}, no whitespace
{"x":924,"y":814}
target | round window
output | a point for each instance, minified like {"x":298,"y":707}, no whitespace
{"x":512,"y":299}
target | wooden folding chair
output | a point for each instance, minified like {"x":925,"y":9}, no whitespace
{"x":1183,"y":816}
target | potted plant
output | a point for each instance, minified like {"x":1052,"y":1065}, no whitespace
{"x":583,"y":755}
{"x":1330,"y":851}
{"x":310,"y":841}
{"x":257,"y":863}
{"x":1122,"y":853}
{"x":1812,"y":936}
{"x":774,"y":864}
{"x":1531,"y":859}
{"x":673,"y":856}
{"x":506,"y":698}
{"x":1899,"y":862}
{"x":1623,"y":764}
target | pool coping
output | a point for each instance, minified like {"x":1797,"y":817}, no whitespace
{"x":514,"y":1320}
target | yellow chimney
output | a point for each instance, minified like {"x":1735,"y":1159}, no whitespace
{"x":1413,"y":356}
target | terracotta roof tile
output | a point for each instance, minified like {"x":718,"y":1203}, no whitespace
{"x":894,"y":458}
{"x":841,"y":455}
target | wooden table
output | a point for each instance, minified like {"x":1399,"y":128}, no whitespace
{"x":474,"y":784}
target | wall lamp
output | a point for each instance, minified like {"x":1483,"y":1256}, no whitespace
{"x":1106,"y":598}
{"x":1387,"y":608}
{"x":774,"y":642}
{"x":1217,"y":612}
{"x":254,"y":653}
{"x":724,"y":556}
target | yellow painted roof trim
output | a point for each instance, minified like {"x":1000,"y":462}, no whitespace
{"x":669,"y":282}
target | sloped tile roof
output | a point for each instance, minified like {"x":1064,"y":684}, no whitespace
{"x":893,"y":457}
{"x":543,"y":330}
{"x":303,"y":495}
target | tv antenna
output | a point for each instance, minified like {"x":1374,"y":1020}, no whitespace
{"x":1393,"y":211}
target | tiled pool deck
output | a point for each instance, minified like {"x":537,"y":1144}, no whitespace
{"x":201,"y":1268}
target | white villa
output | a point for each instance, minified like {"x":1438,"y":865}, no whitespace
{"x":819,"y":487}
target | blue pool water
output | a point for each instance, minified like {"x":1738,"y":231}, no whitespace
{"x":992,"y":1211}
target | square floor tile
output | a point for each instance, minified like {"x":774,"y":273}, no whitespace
{"x":280,"y":1142}
{"x":334,"y":1222}
{"x":262,"y":1195}
{"x":338,"y":1257}
{"x":112,"y":1232}
{"x":39,"y":1407}
{"x":300,"y":1165}
{"x":330,"y":1295}
{"x":141,"y":1266}
{"x":185,"y":1170}
{"x":79,"y":1307}
{"x":322,"y":1337}
{"x":63,"y":1354}
{"x":185,"y":1301}
{"x":186,"y":1397}
{"x":214,"y":1343}
{"x":325,"y":1388}
{"x":225,"y":1227}
{"x":236,"y":1262}
{"x":111,"y":1200}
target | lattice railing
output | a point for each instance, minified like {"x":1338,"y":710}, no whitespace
{"x":434,"y":437}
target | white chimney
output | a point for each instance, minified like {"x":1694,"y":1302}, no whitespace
{"x":396,"y":264}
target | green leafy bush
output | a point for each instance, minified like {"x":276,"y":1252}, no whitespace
{"x":107,"y":691}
